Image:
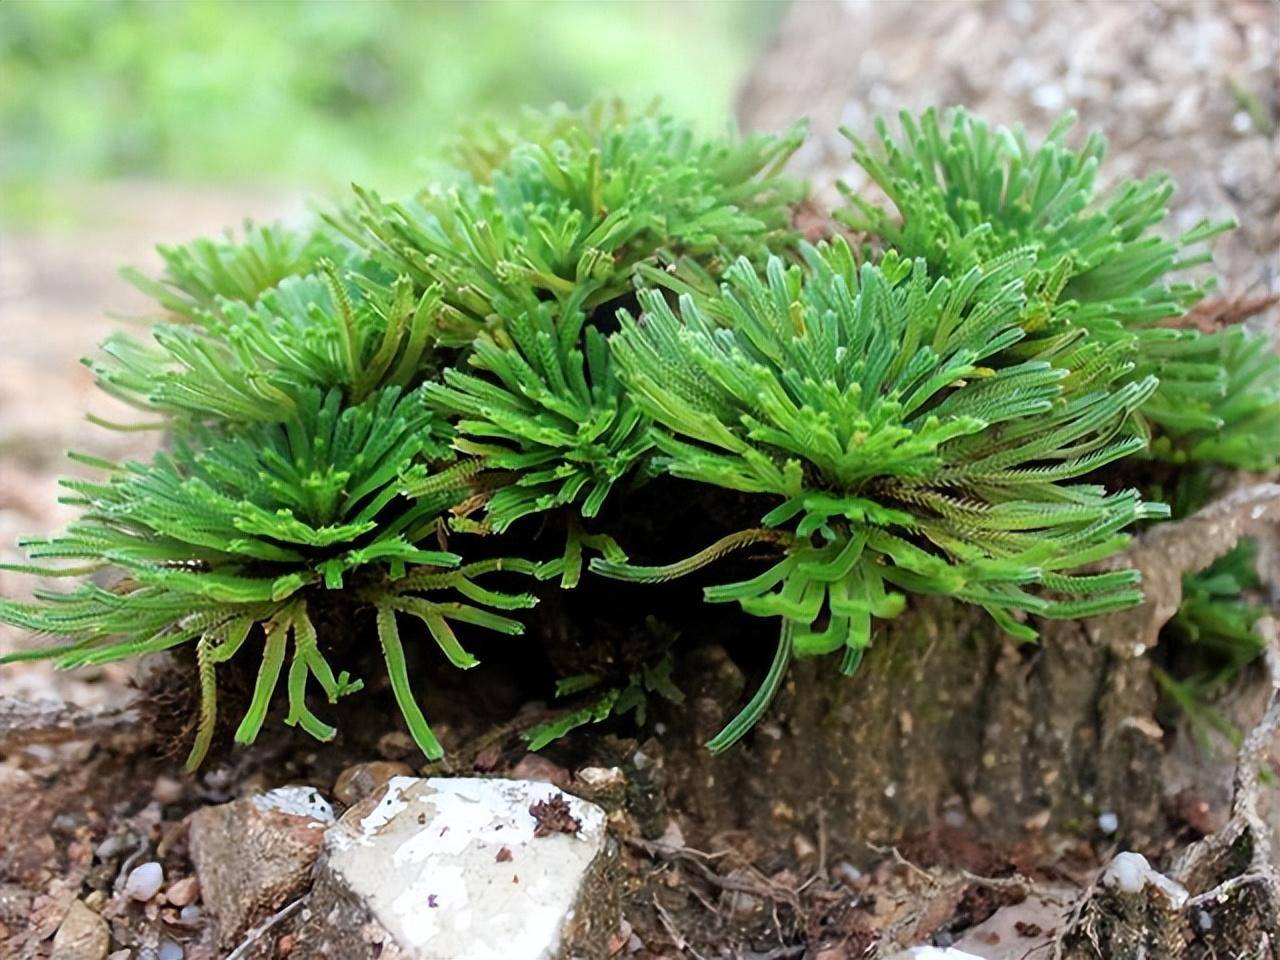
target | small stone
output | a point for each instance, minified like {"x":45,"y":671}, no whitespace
{"x":739,"y":904}
{"x":113,"y":846}
{"x":619,"y":939}
{"x":184,"y":892}
{"x":803,"y":846}
{"x":357,"y":782}
{"x":255,"y":854}
{"x":191,"y":914}
{"x":15,"y":903}
{"x":847,"y":872}
{"x":144,"y":881}
{"x":285,"y":945}
{"x":169,"y":950}
{"x":1108,"y":823}
{"x":488,"y":759}
{"x":1130,"y":873}
{"x":417,"y":871}
{"x":606,"y":786}
{"x":1012,"y":926}
{"x":672,"y":836}
{"x":1037,"y":821}
{"x":167,"y":790}
{"x":82,"y":935}
{"x":539,"y":768}
{"x":396,"y":745}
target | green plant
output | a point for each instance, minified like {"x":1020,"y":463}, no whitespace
{"x":899,"y":439}
{"x":383,"y":424}
{"x":967,"y":193}
{"x":227,"y":536}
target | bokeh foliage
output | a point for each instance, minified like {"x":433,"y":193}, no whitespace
{"x":319,"y":94}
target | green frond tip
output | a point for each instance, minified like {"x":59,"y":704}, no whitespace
{"x":737,"y":728}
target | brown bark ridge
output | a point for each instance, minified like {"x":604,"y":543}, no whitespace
{"x":948,"y":719}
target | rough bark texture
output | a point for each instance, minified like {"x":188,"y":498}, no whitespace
{"x":949,"y":717}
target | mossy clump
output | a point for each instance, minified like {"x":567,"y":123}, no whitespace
{"x":419,"y":410}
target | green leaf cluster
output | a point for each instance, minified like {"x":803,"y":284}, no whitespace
{"x":398,"y":423}
{"x":338,"y":401}
{"x":964,"y":192}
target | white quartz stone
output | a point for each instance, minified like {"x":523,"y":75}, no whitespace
{"x":451,"y":868}
{"x":1131,"y":873}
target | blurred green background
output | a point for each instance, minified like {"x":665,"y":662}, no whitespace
{"x":313,"y":95}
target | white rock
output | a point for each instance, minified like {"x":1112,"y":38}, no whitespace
{"x":451,"y":869}
{"x":934,"y":953}
{"x":145,"y":881}
{"x":296,"y":801}
{"x":1131,"y":873}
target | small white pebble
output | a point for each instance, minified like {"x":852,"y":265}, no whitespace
{"x":1108,"y":823}
{"x":1128,"y":872}
{"x":1131,"y":873}
{"x":954,"y":818}
{"x":169,"y":951}
{"x":847,"y":872}
{"x":145,"y":881}
{"x":189,"y":914}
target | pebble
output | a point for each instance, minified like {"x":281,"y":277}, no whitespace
{"x":539,"y":768}
{"x":113,"y":846}
{"x":357,"y":782}
{"x":190,"y":914}
{"x":1130,"y":873}
{"x":184,"y":892}
{"x":847,"y":872}
{"x":145,"y":881}
{"x":169,"y":951}
{"x":167,"y":790}
{"x":255,"y":854}
{"x":421,"y":867}
{"x":1108,"y":823}
{"x":82,"y":935}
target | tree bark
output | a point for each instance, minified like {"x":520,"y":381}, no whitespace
{"x":949,"y":719}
